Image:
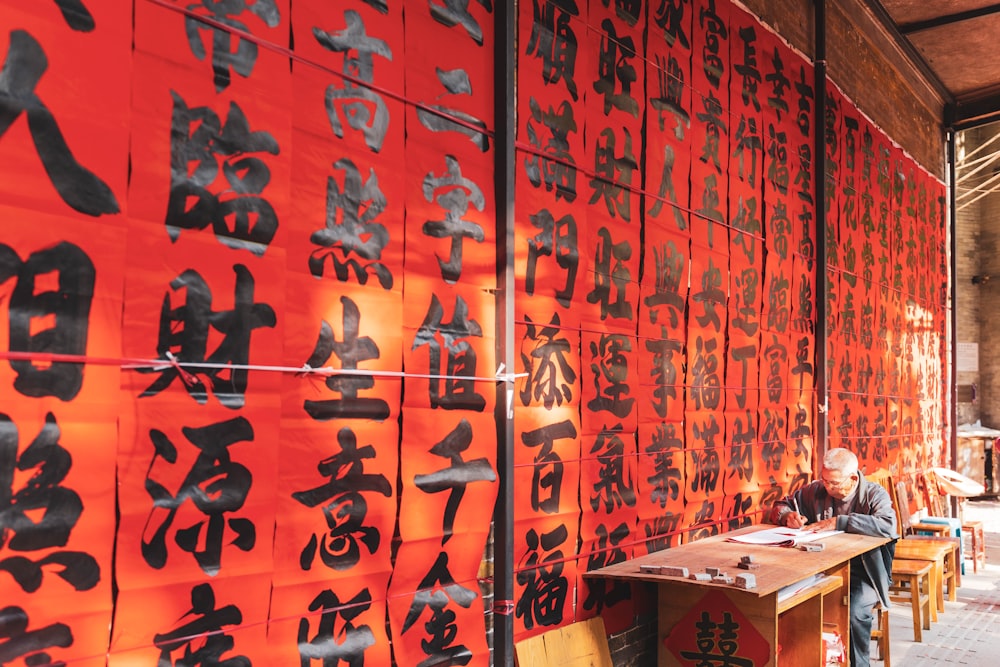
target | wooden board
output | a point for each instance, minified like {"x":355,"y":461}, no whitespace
{"x":779,"y":566}
{"x":581,"y":644}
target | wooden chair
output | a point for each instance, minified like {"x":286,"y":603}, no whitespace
{"x":880,"y":633}
{"x":938,"y":503}
{"x":937,"y":551}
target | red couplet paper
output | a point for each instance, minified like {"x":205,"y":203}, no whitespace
{"x":67,"y":153}
{"x":436,"y":608}
{"x":545,"y":570}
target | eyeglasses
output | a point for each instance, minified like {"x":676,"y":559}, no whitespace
{"x":837,"y":484}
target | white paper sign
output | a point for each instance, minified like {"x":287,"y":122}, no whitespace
{"x":967,"y":357}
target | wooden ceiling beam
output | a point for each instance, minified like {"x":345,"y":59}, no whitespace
{"x":947,"y":19}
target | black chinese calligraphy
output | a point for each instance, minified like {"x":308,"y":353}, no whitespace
{"x":352,"y":351}
{"x":741,"y":446}
{"x":738,"y":515}
{"x":553,"y":164}
{"x":607,"y":550}
{"x":42,"y":513}
{"x":363,"y":109}
{"x":662,"y":532}
{"x":439,"y":118}
{"x":76,"y":14}
{"x":456,"y":12}
{"x":353,"y":239}
{"x":336,"y":642}
{"x":229,"y":50}
{"x":704,"y":523}
{"x":773,"y":423}
{"x":670,"y":86}
{"x":613,"y":174}
{"x":667,"y":192}
{"x":457,"y":476}
{"x":672,"y":18}
{"x":19,"y":642}
{"x":216,"y":485}
{"x":76,"y":185}
{"x":546,"y":356}
{"x":614,"y":486}
{"x":436,"y":591}
{"x":454,"y":193}
{"x":716,"y":34}
{"x":454,"y":389}
{"x":54,"y":321}
{"x":779,"y":83}
{"x":705,"y":455}
{"x":540,"y":572}
{"x":667,"y":478}
{"x":238,"y":214}
{"x":748,"y":70}
{"x":547,"y":467}
{"x":554,"y":42}
{"x":344,"y":506}
{"x":202,"y":640}
{"x":706,"y":392}
{"x":615,"y":72}
{"x":665,"y":371}
{"x":186,"y":329}
{"x":718,"y":642}
{"x":670,"y":270}
{"x":612,"y":276}
{"x":609,"y":365}
{"x":556,"y":238}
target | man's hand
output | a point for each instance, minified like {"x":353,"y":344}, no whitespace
{"x":825,"y":524}
{"x":794,"y":520}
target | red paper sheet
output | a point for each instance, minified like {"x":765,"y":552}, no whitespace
{"x":435,"y":606}
{"x":77,"y":127}
{"x":448,"y":333}
{"x":448,"y":474}
{"x":62,"y":296}
{"x":545,"y":569}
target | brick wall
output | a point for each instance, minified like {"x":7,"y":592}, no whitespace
{"x":968,"y":223}
{"x":871,"y":70}
{"x":987,"y":298}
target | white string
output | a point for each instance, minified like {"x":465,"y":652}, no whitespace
{"x":306,"y":369}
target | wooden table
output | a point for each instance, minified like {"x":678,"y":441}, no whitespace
{"x":700,"y":621}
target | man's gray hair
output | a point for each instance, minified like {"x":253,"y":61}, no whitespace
{"x":842,"y":460}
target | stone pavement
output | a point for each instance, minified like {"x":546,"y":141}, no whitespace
{"x":968,"y":632}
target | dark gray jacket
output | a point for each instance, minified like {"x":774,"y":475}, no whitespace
{"x":870,"y":514}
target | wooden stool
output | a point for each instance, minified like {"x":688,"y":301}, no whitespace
{"x":911,"y":581}
{"x":978,"y":551}
{"x":926,"y":550}
{"x":952,"y":561}
{"x":880,"y":633}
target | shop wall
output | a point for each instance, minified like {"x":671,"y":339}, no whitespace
{"x":249,"y":279}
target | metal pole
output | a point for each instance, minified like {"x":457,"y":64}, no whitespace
{"x":503,"y":514}
{"x":822,"y":278}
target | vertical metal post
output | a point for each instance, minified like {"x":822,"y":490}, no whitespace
{"x":504,"y":55}
{"x":952,"y":375}
{"x":822,"y":279}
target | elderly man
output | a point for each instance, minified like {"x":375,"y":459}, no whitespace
{"x":843,"y":500}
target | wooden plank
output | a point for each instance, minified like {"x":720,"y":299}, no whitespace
{"x":779,"y":566}
{"x":581,"y":644}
